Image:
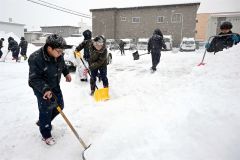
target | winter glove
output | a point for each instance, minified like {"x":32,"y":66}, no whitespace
{"x":235,"y":38}
{"x":77,"y":54}
{"x":207,"y":45}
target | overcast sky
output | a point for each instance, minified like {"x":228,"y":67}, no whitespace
{"x":33,"y":15}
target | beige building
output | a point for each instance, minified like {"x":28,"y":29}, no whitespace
{"x":178,"y":20}
{"x":208,"y":23}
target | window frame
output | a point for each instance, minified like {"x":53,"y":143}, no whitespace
{"x":136,"y":18}
{"x":163,"y":18}
{"x":123,"y":19}
{"x":180,"y":21}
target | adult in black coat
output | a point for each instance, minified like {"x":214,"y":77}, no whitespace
{"x":225,"y":39}
{"x":23,"y":46}
{"x":45,"y":68}
{"x":13,"y":47}
{"x":1,"y":45}
{"x":155,"y":45}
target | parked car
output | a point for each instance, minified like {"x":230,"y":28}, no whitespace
{"x":188,"y":44}
{"x":129,"y":44}
{"x":142,"y":44}
{"x":168,"y":41}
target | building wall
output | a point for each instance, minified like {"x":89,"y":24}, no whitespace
{"x":17,"y":29}
{"x":117,"y":29}
{"x":104,"y":22}
{"x":65,"y":31}
{"x":202,"y":26}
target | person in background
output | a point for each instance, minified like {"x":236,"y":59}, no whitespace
{"x":23,"y":46}
{"x":45,"y":68}
{"x":225,"y":39}
{"x":14,"y":48}
{"x":155,"y":45}
{"x":84,"y":45}
{"x":121,"y":46}
{"x":1,"y":45}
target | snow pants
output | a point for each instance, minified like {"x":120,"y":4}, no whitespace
{"x":156,"y":55}
{"x":103,"y":76}
{"x":1,"y":53}
{"x":15,"y":53}
{"x":23,"y":52}
{"x":122,"y":51}
{"x":47,"y":112}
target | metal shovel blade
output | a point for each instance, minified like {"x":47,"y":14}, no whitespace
{"x":83,"y":157}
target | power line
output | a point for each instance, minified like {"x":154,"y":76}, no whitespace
{"x":63,"y":9}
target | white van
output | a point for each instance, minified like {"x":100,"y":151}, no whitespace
{"x":142,"y":44}
{"x":129,"y":44}
{"x":168,"y":42}
{"x":188,"y":44}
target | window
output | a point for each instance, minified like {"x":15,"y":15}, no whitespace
{"x":176,"y":18}
{"x":135,"y":19}
{"x":123,"y":18}
{"x":160,"y":19}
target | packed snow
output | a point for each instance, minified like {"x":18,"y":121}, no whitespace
{"x":181,"y":112}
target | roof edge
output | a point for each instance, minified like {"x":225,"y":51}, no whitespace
{"x":164,"y":5}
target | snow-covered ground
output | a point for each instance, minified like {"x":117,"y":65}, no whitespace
{"x":181,"y":112}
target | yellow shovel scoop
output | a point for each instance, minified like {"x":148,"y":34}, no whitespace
{"x":101,"y":94}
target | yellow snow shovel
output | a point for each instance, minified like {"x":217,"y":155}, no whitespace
{"x":101,"y":94}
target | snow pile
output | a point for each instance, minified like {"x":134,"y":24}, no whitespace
{"x":31,"y":47}
{"x":182,"y":111}
{"x":197,"y":120}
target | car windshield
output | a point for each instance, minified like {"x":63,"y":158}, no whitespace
{"x":166,"y":40}
{"x":142,"y":43}
{"x":188,"y":42}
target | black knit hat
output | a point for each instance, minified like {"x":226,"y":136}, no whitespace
{"x":99,"y":39}
{"x":226,"y":25}
{"x":56,"y":41}
{"x":87,"y":34}
{"x":10,"y":38}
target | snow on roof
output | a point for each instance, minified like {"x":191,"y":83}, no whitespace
{"x":227,"y":14}
{"x":12,"y":23}
{"x":154,"y":4}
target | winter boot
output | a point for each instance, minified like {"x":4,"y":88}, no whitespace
{"x":25,"y":57}
{"x":92,"y":92}
{"x":153,"y":69}
{"x":49,"y":141}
